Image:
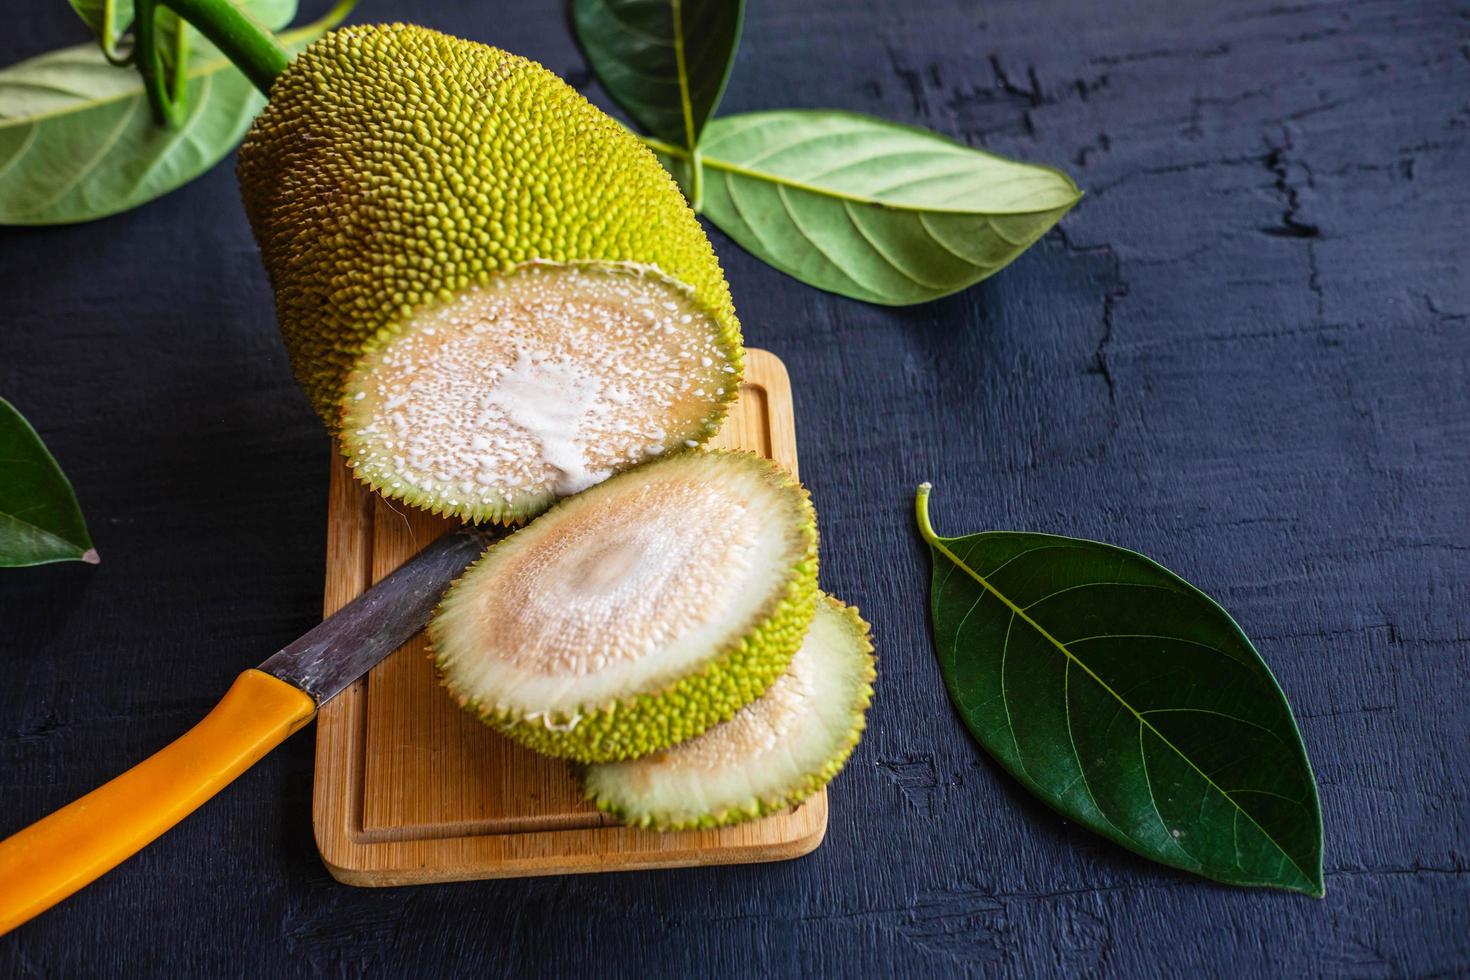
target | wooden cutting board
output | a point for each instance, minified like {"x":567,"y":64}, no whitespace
{"x":410,"y":789}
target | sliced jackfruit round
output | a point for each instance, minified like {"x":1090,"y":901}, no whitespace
{"x":637,"y":613}
{"x":394,"y":177}
{"x":774,"y":753}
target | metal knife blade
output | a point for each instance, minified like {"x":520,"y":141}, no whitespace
{"x":346,"y":645}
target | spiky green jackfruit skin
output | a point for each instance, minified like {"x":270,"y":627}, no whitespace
{"x":732,"y":677}
{"x":610,"y":792}
{"x":395,"y":166}
{"x":647,"y":723}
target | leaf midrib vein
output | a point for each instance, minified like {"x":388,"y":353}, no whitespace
{"x":734,"y":168}
{"x":1072,"y":739}
{"x":685,"y":103}
{"x":1153,"y":799}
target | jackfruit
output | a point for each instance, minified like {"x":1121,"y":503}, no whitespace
{"x":775,"y":752}
{"x":637,"y":613}
{"x":492,"y":292}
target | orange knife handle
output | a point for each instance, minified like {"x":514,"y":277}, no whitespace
{"x":76,"y":845}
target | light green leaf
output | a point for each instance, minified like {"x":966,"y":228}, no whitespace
{"x":1127,"y":700}
{"x":39,"y":518}
{"x":665,"y":61}
{"x":871,"y":209}
{"x":78,"y":142}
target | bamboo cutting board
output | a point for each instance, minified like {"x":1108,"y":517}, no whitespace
{"x":410,"y":789}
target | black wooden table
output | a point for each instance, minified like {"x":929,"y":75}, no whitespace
{"x":1246,"y":353}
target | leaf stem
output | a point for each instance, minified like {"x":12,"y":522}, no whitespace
{"x":252,"y":48}
{"x":109,"y":39}
{"x":659,"y":146}
{"x":921,"y":512}
{"x":686,"y":106}
{"x":696,"y":181}
{"x":322,"y":24}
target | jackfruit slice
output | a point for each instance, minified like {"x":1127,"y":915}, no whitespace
{"x":394,"y":178}
{"x":774,"y":753}
{"x":637,"y":613}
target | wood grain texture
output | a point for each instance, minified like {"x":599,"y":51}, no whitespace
{"x":409,"y":789}
{"x":1246,"y":353}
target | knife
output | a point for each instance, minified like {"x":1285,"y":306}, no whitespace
{"x":76,"y":845}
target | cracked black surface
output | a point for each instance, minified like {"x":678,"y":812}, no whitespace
{"x":1245,"y":354}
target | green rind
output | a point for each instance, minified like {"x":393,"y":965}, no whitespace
{"x":650,"y":721}
{"x":788,"y":797}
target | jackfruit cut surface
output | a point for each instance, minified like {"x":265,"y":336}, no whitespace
{"x":538,"y":385}
{"x":774,"y":753}
{"x":638,"y":613}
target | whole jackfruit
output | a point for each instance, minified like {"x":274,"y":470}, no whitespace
{"x":637,"y":614}
{"x":456,"y":237}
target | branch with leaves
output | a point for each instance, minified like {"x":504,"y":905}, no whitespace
{"x":77,"y":138}
{"x":845,"y":202}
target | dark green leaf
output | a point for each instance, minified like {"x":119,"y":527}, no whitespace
{"x":77,"y":140}
{"x":39,"y":518}
{"x":871,"y":209}
{"x":1129,"y":701}
{"x":665,"y":61}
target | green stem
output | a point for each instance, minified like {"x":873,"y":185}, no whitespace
{"x":318,"y":27}
{"x":921,"y":511}
{"x":659,"y":146}
{"x":110,"y":39}
{"x":252,"y":48}
{"x":696,"y":181}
